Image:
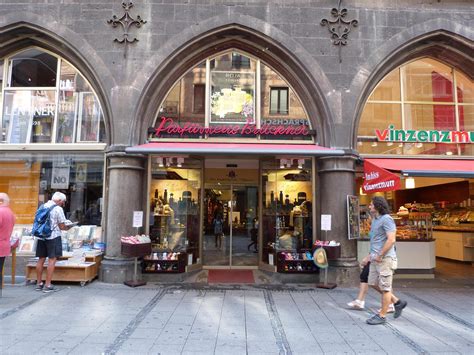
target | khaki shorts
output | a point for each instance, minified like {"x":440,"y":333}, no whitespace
{"x":381,"y":274}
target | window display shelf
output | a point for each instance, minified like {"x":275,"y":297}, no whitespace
{"x":297,"y":265}
{"x":158,"y":263}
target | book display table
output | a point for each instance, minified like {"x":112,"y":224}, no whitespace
{"x":71,"y":272}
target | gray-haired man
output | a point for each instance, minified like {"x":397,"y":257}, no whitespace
{"x":51,"y":247}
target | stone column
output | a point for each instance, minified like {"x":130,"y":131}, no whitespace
{"x":336,"y":181}
{"x":125,"y":190}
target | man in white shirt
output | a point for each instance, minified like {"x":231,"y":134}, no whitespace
{"x":51,"y":247}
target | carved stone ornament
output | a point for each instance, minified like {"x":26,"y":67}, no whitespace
{"x":339,"y":28}
{"x":126,"y":21}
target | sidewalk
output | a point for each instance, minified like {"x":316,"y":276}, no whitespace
{"x":231,"y":319}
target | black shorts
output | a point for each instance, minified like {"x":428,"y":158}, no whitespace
{"x":49,"y":248}
{"x":364,"y":275}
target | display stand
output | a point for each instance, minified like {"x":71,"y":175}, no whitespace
{"x":332,"y":252}
{"x":136,"y":251}
{"x":325,"y":284}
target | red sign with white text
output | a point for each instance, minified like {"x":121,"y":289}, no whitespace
{"x":170,"y":127}
{"x":377,"y":179}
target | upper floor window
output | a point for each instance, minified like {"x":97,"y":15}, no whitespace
{"x":278,"y":101}
{"x":44,"y":99}
{"x":412,"y":107}
{"x":232,"y":95}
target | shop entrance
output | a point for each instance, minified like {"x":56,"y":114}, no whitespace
{"x":230,"y":238}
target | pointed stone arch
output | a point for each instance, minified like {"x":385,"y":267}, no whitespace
{"x":445,"y":41}
{"x":250,"y":35}
{"x":47,"y":34}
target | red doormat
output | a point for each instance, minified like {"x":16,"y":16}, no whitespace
{"x":230,"y":277}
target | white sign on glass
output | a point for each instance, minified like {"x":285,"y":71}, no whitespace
{"x":325,"y":222}
{"x":137,"y":219}
{"x":60,"y":177}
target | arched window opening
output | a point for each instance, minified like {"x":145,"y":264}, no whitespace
{"x":232,"y":95}
{"x":44,"y":99}
{"x":415,"y":110}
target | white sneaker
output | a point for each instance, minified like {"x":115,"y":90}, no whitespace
{"x":356,"y":304}
{"x":391,"y":308}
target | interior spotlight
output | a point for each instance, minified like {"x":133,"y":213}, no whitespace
{"x":289,"y":163}
{"x":409,"y":183}
{"x":179,"y":162}
{"x":282,"y":163}
{"x":419,"y":145}
{"x":389,"y":144}
{"x":159,"y":160}
{"x":169,"y":161}
{"x":374,"y":144}
{"x":300,"y":163}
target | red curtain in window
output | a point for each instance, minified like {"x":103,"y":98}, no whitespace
{"x":445,"y":116}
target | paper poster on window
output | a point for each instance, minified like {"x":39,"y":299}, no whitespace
{"x":232,"y":97}
{"x":81,"y":172}
{"x":60,"y":177}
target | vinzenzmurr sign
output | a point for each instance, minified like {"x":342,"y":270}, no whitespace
{"x":391,"y":134}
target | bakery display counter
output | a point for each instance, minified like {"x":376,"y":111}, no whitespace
{"x":468,"y":228}
{"x":416,"y":257}
{"x":455,"y":244}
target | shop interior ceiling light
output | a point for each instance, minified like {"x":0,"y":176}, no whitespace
{"x":409,"y":183}
{"x":159,"y":160}
{"x":179,"y":162}
{"x":282,"y":163}
{"x":169,"y":162}
{"x":289,"y":163}
{"x":374,"y":144}
{"x":419,"y":145}
{"x":389,"y":144}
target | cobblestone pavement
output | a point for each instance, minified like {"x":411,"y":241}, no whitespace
{"x":200,"y":319}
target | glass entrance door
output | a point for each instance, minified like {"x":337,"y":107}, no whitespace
{"x":230,"y":226}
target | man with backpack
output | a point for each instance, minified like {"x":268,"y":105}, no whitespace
{"x":50,"y":246}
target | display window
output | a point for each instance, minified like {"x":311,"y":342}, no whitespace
{"x":30,"y":179}
{"x":414,"y":106}
{"x":287,"y":200}
{"x":232,"y":95}
{"x":46,"y":100}
{"x":174,"y":200}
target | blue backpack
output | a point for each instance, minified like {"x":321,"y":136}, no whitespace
{"x":42,"y":223}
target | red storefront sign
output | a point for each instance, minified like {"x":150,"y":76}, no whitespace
{"x":169,"y":127}
{"x":377,"y":179}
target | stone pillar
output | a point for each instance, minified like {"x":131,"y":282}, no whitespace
{"x":336,"y":181}
{"x":125,"y":190}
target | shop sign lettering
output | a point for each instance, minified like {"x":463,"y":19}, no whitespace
{"x":48,"y":110}
{"x":170,"y":127}
{"x":431,"y":136}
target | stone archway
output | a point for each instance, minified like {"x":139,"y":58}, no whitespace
{"x":445,"y":46}
{"x":286,"y":62}
{"x":20,"y":35}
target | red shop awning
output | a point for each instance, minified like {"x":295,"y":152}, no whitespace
{"x":463,"y":168}
{"x":377,"y":179}
{"x":233,"y":148}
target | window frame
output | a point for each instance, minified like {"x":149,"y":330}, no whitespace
{"x":279,"y":90}
{"x":404,"y":103}
{"x":76,"y":141}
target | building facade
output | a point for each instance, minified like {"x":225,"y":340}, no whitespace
{"x":256,"y":111}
